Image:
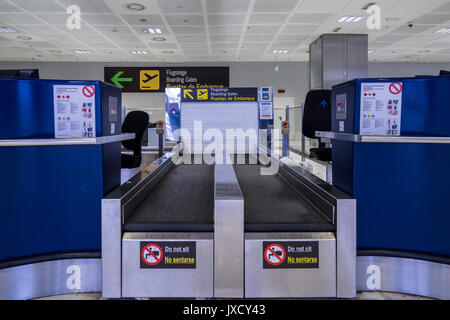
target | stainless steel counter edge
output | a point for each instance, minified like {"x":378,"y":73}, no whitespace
{"x":66,"y":142}
{"x":381,"y":139}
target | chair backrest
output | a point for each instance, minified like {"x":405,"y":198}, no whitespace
{"x":316,"y":113}
{"x":135,"y":122}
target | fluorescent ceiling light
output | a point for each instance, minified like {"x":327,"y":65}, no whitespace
{"x":444,"y":30}
{"x":139,"y":52}
{"x":6,"y":29}
{"x":159,"y":39}
{"x":348,"y":19}
{"x":82,"y":51}
{"x":152,"y":30}
{"x":370,"y":51}
{"x":280,"y":51}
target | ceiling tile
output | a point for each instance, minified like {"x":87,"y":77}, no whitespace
{"x":300,"y":28}
{"x":432,"y":18}
{"x":274,"y":6}
{"x":42,"y":30}
{"x":192,"y":44}
{"x":291,"y":37}
{"x":392,"y":37}
{"x":203,"y":51}
{"x":444,"y":8}
{"x":272,"y":28}
{"x":415,"y":29}
{"x":285,"y":44}
{"x":255,"y":45}
{"x":265,"y":18}
{"x":309,"y":17}
{"x":224,"y":38}
{"x":118,"y":30}
{"x":230,"y":45}
{"x":19,"y":18}
{"x":143,"y":19}
{"x":185,"y":20}
{"x":87,"y":6}
{"x":258,"y":37}
{"x":180,"y":6}
{"x":189,"y":30}
{"x":226,"y":29}
{"x":196,"y":38}
{"x":6,"y":7}
{"x":44,"y":6}
{"x":163,"y":45}
{"x":228,"y":6}
{"x":102,"y":19}
{"x":222,"y":19}
{"x":323,"y":6}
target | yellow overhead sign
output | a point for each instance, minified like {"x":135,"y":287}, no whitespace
{"x":149,"y":80}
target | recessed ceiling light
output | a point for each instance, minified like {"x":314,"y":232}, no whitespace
{"x":6,"y":29}
{"x":139,"y":52}
{"x":370,"y":51}
{"x":24,"y":38}
{"x":443,"y":30}
{"x":280,"y":51}
{"x":348,"y":19}
{"x":135,"y":6}
{"x":152,"y":30}
{"x":82,"y":51}
{"x":159,"y":39}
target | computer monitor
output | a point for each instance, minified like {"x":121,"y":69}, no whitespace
{"x":20,"y":73}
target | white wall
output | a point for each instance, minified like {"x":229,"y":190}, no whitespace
{"x":292,"y":76}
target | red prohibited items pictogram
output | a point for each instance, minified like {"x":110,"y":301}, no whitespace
{"x":274,"y":254}
{"x":152,"y":254}
{"x":395,"y":88}
{"x":89,"y":91}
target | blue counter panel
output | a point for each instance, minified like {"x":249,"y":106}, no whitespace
{"x":402,"y":190}
{"x":51,"y":195}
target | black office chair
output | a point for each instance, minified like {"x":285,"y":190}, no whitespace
{"x":317,"y":117}
{"x":135,"y":122}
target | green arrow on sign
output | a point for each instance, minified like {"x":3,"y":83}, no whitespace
{"x":117,"y":79}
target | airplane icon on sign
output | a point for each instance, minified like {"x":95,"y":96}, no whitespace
{"x":149,"y":77}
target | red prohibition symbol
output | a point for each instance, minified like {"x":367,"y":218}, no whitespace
{"x":395,"y":88}
{"x":274,"y":254}
{"x":152,"y":254}
{"x":88,"y":91}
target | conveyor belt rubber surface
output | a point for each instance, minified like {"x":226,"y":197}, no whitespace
{"x":273,"y":205}
{"x":183,"y":201}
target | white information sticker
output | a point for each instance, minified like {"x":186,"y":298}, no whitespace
{"x":74,"y":111}
{"x":265,"y":110}
{"x":381,"y":108}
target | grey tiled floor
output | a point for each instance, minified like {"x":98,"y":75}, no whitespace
{"x":360,"y":296}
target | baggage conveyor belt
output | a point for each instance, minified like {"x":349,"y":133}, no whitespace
{"x":183,"y":201}
{"x":271,"y":204}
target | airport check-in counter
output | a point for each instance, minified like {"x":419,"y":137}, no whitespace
{"x":60,"y":155}
{"x":391,"y":149}
{"x":224,"y":231}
